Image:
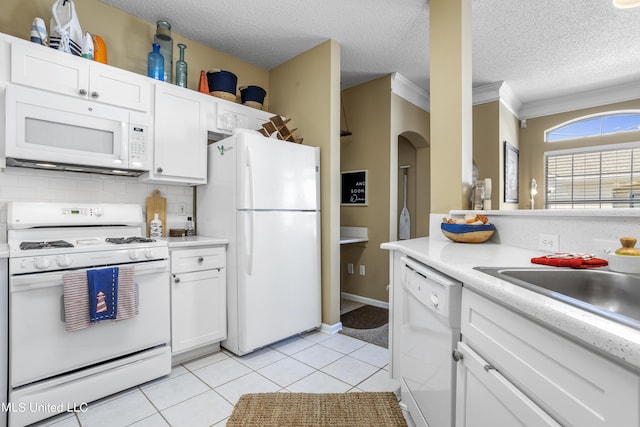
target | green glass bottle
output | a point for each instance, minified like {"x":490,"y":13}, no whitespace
{"x":181,"y":68}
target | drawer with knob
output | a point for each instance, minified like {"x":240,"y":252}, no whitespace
{"x":190,"y":260}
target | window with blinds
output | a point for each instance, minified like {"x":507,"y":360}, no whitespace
{"x":601,"y":177}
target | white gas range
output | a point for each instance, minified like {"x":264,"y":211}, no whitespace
{"x":51,"y":365}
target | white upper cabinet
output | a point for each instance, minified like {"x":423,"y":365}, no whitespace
{"x":180,"y":147}
{"x":48,"y":69}
{"x":5,"y":59}
{"x":225,"y":116}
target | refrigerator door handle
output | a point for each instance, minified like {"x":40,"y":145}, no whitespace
{"x":250,"y":181}
{"x":249,"y":240}
{"x":251,"y":220}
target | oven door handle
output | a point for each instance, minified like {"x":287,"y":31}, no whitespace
{"x":44,"y":280}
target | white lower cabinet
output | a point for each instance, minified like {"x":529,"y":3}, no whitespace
{"x":198,"y":297}
{"x":486,"y":398}
{"x":514,"y":371}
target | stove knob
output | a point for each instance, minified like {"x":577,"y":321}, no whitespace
{"x":63,"y":261}
{"x":42,"y":263}
{"x":148,"y":253}
{"x":98,"y":212}
{"x":133,"y":254}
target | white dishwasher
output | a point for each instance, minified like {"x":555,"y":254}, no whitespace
{"x":429,"y":333}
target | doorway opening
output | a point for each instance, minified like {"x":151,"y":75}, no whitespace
{"x":413,"y":167}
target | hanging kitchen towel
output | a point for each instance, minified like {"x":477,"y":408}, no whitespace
{"x":103,"y":293}
{"x":75,"y":301}
{"x":127,"y":298}
{"x":570,"y":260}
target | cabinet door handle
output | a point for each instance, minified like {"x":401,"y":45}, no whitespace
{"x":457,"y":356}
{"x":159,"y":170}
{"x":95,"y":94}
{"x":176,"y":279}
{"x":200,"y":260}
{"x":82,"y":92}
{"x":488,"y":367}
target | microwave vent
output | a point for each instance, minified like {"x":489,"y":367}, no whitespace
{"x":37,"y":164}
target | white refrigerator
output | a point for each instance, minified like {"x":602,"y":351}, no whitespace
{"x":264,"y":196}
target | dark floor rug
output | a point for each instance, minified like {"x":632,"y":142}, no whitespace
{"x":365,"y":317}
{"x":378,"y":336}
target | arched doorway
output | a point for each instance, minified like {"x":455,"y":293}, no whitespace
{"x":413,"y":161}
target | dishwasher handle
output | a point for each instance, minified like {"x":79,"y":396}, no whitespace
{"x":427,"y":272}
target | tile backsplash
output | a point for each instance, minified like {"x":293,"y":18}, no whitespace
{"x":594,"y":231}
{"x":34,"y":185}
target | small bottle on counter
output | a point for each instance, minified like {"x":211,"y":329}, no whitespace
{"x":190,"y":230}
{"x":155,"y":226}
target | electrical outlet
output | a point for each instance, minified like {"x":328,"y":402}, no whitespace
{"x":349,"y":268}
{"x":548,"y":242}
{"x":362,"y":270}
{"x":603,"y":247}
{"x":182,"y":208}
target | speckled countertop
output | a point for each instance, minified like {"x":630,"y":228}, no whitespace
{"x":194,"y":241}
{"x":619,"y":342}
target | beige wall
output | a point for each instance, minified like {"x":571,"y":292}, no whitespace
{"x":486,"y":147}
{"x":533,"y":147}
{"x":386,"y":131}
{"x":368,"y":111}
{"x":451,"y":99}
{"x":413,"y":124}
{"x":307,"y":90}
{"x":128,"y":40}
{"x":407,"y":156}
{"x":510,"y":131}
{"x":493,"y":123}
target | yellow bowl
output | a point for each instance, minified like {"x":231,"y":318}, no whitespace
{"x":467,"y":233}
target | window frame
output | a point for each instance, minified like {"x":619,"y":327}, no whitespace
{"x":573,"y":203}
{"x":586,"y":118}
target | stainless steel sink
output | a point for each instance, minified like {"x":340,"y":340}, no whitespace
{"x":604,"y":292}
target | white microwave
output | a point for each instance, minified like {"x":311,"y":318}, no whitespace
{"x":51,"y":131}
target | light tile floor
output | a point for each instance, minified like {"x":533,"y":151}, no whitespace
{"x":202,"y":392}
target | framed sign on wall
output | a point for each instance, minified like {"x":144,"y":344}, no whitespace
{"x":354,"y":188}
{"x":510,"y":173}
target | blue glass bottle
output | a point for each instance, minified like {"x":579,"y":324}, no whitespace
{"x":155,"y":63}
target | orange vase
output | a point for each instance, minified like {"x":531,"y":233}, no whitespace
{"x":99,"y":49}
{"x":204,"y":83}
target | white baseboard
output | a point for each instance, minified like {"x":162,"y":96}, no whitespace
{"x":365,"y":300}
{"x":331,"y":329}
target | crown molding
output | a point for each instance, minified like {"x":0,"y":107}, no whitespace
{"x":498,"y":91}
{"x":501,"y":91}
{"x":408,"y":91}
{"x":593,"y":98}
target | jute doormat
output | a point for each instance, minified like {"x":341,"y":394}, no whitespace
{"x":317,"y":409}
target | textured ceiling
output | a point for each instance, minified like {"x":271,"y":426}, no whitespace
{"x":541,"y":48}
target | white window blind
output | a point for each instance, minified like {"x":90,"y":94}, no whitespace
{"x":599,"y":178}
